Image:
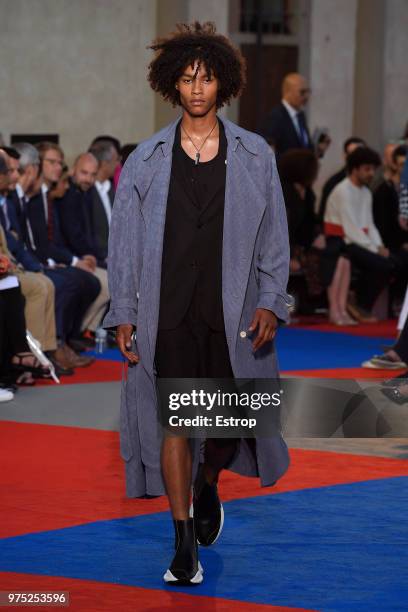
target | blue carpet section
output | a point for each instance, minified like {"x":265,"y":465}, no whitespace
{"x":332,"y":548}
{"x":301,"y":349}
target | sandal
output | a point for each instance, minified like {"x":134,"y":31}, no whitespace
{"x":25,"y":379}
{"x":34,"y":366}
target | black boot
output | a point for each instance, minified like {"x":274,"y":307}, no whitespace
{"x":207,"y":510}
{"x":185,"y":568}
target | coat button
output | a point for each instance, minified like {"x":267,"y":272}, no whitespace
{"x":243,"y":334}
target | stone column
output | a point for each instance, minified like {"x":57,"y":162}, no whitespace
{"x":332,"y":62}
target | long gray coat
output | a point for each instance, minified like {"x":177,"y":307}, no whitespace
{"x":255,"y":267}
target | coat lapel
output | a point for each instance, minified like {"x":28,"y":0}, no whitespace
{"x":153,"y":188}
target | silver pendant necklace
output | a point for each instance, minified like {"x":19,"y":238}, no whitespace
{"x":198,"y":149}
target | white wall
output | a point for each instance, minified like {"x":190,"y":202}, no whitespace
{"x":395,"y":69}
{"x":332,"y":60}
{"x":78,"y":68}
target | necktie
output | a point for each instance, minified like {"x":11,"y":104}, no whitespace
{"x":3,"y":214}
{"x":302,"y":129}
{"x":50,"y":222}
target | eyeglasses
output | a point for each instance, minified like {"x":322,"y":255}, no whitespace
{"x":54,"y":162}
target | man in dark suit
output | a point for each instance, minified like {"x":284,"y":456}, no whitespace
{"x":285,"y":127}
{"x":103,"y":191}
{"x":74,"y":220}
{"x":44,"y":242}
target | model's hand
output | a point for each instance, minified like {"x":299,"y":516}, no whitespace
{"x":266,"y":322}
{"x":124,"y":341}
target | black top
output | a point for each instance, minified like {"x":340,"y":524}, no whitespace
{"x":192,"y":245}
{"x":385,"y":213}
{"x":302,"y":221}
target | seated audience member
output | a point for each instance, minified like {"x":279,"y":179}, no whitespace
{"x":47,"y":237}
{"x":348,"y":147}
{"x":17,"y":363}
{"x":74,"y":214}
{"x":103,"y":192}
{"x":386,"y":213}
{"x":349,"y":215}
{"x":387,"y":165}
{"x":116,"y":143}
{"x":37,"y":289}
{"x":298,"y":170}
{"x":403,"y":197}
{"x":72,"y":298}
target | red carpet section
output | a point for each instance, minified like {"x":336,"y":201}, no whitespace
{"x":55,"y":477}
{"x":102,"y":597}
{"x":384,"y":329}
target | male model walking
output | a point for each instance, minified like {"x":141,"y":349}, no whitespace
{"x":198,"y":265}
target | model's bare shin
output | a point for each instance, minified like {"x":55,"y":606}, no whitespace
{"x":176,"y":468}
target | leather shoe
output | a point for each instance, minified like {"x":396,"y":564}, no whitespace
{"x":78,"y":361}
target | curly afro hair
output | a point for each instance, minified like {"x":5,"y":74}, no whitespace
{"x":196,"y":42}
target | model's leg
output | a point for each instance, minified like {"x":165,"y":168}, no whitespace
{"x":333,"y":291}
{"x":344,"y":290}
{"x":175,"y":359}
{"x":218,"y":454}
{"x":176,"y":468}
{"x":208,"y":510}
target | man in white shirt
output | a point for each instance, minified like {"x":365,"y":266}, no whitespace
{"x":349,"y":215}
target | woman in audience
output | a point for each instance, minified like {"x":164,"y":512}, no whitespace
{"x":17,"y":362}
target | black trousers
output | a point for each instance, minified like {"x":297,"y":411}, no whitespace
{"x":75,"y":290}
{"x":12,"y":326}
{"x":376,"y":272}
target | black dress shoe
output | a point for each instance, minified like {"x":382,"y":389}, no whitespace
{"x":207,"y":510}
{"x":185,"y":568}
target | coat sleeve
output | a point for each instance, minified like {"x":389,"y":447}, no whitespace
{"x":125,"y":250}
{"x":274,"y":253}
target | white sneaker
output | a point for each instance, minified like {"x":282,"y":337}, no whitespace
{"x":6,"y":396}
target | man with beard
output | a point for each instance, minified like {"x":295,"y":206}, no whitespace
{"x":349,"y":214}
{"x":75,"y":222}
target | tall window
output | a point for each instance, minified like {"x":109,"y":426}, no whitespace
{"x":275,"y":16}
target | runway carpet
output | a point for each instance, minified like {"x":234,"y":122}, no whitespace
{"x":331,"y":535}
